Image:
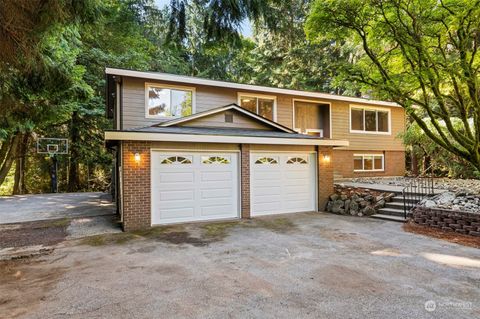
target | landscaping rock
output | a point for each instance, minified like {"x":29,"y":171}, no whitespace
{"x":460,"y":186}
{"x":453,"y":201}
{"x":369,"y":210}
{"x":334,"y":197}
{"x":338,"y":206}
{"x":356,"y":202}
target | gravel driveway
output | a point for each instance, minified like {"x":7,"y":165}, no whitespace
{"x":299,"y":266}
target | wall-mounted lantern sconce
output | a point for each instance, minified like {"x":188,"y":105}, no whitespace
{"x":326,"y":158}
{"x":137,"y":158}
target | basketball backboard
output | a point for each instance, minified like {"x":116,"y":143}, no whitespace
{"x":52,"y":145}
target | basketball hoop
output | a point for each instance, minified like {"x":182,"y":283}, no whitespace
{"x":52,"y":146}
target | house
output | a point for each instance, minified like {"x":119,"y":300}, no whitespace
{"x":193,"y":149}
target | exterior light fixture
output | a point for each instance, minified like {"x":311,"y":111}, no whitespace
{"x":326,"y":158}
{"x":137,"y":157}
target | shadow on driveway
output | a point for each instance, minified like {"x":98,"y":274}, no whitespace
{"x":29,"y":208}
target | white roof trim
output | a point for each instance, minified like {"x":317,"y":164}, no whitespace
{"x":223,"y":109}
{"x":169,"y":137}
{"x":247,"y":87}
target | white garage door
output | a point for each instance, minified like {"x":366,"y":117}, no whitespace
{"x":282,"y":183}
{"x":194,"y":186}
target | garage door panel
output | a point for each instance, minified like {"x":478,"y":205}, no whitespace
{"x":261,"y":175}
{"x":297,"y":174}
{"x":268,"y":207}
{"x":216,"y":210}
{"x":216,"y":193}
{"x":216,"y":176}
{"x":288,"y":187}
{"x":194,"y":191}
{"x":298,"y":205}
{"x":174,"y":213}
{"x":175,"y":177}
{"x":266,"y":190}
{"x":267,"y":199}
{"x":177,"y":195}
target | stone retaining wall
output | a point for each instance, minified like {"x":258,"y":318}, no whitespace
{"x":449,"y":220}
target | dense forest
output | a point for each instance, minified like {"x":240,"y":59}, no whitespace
{"x":420,"y":54}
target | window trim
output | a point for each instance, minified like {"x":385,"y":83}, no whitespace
{"x":369,"y":108}
{"x":363,"y":163}
{"x":168,"y":86}
{"x":260,"y":96}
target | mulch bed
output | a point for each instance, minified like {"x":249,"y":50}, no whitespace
{"x":450,"y":236}
{"x":33,"y":233}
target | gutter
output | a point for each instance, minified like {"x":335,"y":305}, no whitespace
{"x":229,"y":139}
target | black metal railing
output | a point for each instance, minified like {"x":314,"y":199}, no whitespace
{"x":416,"y":190}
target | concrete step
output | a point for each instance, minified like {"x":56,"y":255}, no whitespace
{"x":399,"y":199}
{"x":395,"y":205}
{"x":391,"y":211}
{"x":389,"y":217}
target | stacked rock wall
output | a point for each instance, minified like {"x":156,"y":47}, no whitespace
{"x":356,"y":201}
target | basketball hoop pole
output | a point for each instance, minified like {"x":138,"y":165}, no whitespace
{"x":53,"y":174}
{"x":53,"y":146}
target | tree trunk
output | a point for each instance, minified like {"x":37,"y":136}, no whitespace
{"x":19,"y":186}
{"x":414,"y":162}
{"x":73,"y":178}
{"x":9,"y":158}
{"x":426,"y":165}
{"x":4,"y":149}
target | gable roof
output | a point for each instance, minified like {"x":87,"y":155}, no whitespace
{"x":248,"y":87}
{"x":228,"y":107}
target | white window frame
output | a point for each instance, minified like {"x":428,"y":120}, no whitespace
{"x":369,"y":108}
{"x":259,"y":96}
{"x":313,"y":130}
{"x":373,"y":159}
{"x":171,"y":87}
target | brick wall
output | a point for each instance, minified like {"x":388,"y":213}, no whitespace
{"x":460,"y":222}
{"x":245,"y":180}
{"x":325,"y":176}
{"x":136,"y":185}
{"x":343,"y":163}
{"x":136,"y":182}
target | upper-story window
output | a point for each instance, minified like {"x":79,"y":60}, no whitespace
{"x":263,"y":105}
{"x":369,"y":120}
{"x":164,"y":101}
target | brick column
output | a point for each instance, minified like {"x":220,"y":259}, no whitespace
{"x":136,"y":185}
{"x":245,"y":179}
{"x":325,"y":175}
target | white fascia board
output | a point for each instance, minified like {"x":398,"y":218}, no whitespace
{"x":239,"y":86}
{"x":169,"y":137}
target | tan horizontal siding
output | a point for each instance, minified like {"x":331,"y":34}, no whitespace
{"x":211,"y":97}
{"x":366,"y":141}
{"x":218,"y":120}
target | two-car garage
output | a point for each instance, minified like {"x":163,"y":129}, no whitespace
{"x":196,"y":186}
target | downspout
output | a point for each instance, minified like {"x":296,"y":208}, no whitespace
{"x":119,"y":126}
